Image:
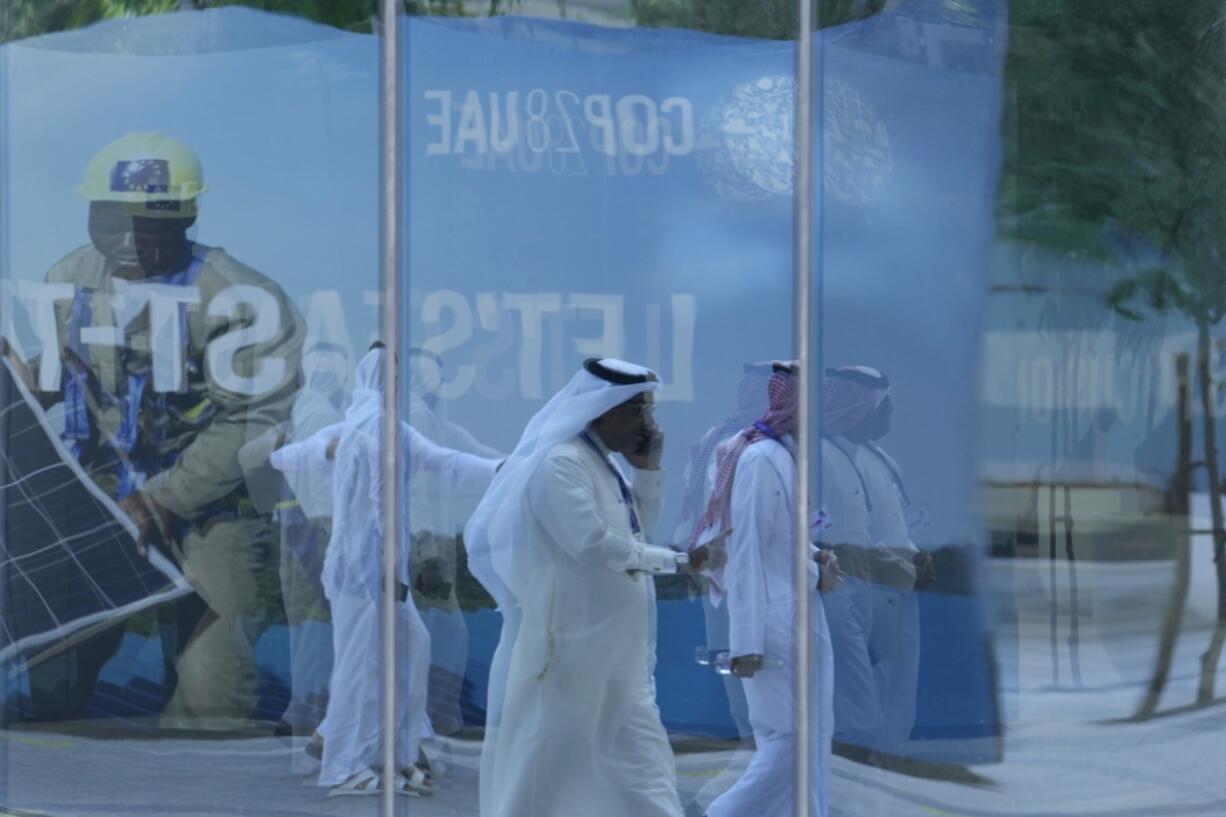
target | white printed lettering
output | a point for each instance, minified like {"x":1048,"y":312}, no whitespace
{"x":441,"y":120}
{"x":455,"y":336}
{"x":261,"y":327}
{"x":166,"y":302}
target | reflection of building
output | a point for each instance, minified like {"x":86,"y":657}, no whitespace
{"x":1078,"y":437}
{"x":1109,"y":518}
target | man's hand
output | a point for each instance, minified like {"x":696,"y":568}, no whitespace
{"x":925,"y":569}
{"x":832,"y":574}
{"x":647,"y":456}
{"x":710,"y":555}
{"x":148,"y":516}
{"x":744,"y":666}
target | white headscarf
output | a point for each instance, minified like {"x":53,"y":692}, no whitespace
{"x":352,"y":563}
{"x":368,"y":389}
{"x":501,"y":519}
{"x":325,"y":371}
{"x":325,"y":379}
{"x":849,"y":395}
{"x":425,"y":371}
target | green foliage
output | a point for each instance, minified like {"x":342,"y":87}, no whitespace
{"x":1115,"y":125}
{"x":768,"y":19}
{"x":28,"y":18}
{"x":351,"y":15}
{"x":470,"y":593}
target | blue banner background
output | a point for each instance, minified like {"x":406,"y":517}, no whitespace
{"x":680,"y":259}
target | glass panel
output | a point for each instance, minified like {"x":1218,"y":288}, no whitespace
{"x":1015,"y":451}
{"x":161,"y":372}
{"x":591,"y":187}
{"x":909,"y":105}
{"x":1101,"y":406}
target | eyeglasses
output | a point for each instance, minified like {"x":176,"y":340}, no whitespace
{"x":642,"y":408}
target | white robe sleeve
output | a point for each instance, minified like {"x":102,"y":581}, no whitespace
{"x":460,"y":438}
{"x":309,"y":455}
{"x":758,"y":501}
{"x":455,"y":468}
{"x":648,"y":490}
{"x":843,"y":499}
{"x":561,"y":495}
{"x":256,"y":453}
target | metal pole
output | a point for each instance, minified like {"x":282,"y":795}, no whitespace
{"x":389,"y":286}
{"x":6,"y":302}
{"x":802,"y":213}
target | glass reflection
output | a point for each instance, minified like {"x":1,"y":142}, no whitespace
{"x":351,"y":734}
{"x":751,"y":404}
{"x":162,"y":585}
{"x":173,"y":352}
{"x":874,"y":617}
{"x":753,"y":480}
{"x":561,"y":538}
{"x":301,"y":502}
{"x":1047,"y":641}
{"x":436,"y":513}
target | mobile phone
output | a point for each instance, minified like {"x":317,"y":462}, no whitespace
{"x":646,"y":438}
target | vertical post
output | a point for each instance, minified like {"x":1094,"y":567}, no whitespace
{"x":6,"y":302}
{"x":389,"y":287}
{"x":1054,"y":604}
{"x":1074,"y":632}
{"x":1181,"y":534}
{"x":802,"y":321}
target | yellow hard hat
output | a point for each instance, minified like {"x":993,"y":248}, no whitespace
{"x":150,"y":173}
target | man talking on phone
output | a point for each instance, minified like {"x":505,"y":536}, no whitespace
{"x":560,"y":541}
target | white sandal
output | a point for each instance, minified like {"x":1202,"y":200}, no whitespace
{"x":364,"y":782}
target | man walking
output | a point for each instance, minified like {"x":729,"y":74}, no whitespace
{"x":560,"y":541}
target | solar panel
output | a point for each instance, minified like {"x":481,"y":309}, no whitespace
{"x":67,"y":560}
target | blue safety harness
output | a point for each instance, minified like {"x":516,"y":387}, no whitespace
{"x":78,"y":427}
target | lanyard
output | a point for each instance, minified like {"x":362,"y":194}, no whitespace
{"x":890,"y":466}
{"x":768,"y":431}
{"x":627,"y":497}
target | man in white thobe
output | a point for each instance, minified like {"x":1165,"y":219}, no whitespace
{"x":303,"y":506}
{"x":750,"y":404}
{"x":753,"y":497}
{"x":435,"y":517}
{"x":874,"y":616}
{"x":560,"y":541}
{"x":351,"y":730}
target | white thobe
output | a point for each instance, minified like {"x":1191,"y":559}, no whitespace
{"x":580,"y":733}
{"x":760,"y":593}
{"x":351,"y":729}
{"x":436,"y":513}
{"x":874,"y":615}
{"x":310,"y":634}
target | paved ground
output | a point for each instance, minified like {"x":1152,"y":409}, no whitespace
{"x":1066,"y":750}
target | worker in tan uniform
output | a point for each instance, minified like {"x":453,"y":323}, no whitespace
{"x":172,"y":356}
